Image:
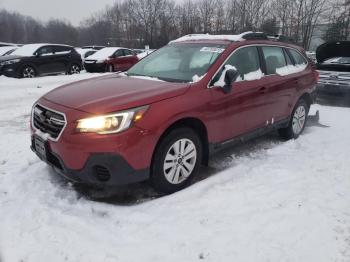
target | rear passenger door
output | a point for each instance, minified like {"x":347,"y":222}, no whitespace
{"x":280,"y":83}
{"x":61,"y":58}
{"x":245,"y":108}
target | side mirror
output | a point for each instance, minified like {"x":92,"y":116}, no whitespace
{"x":230,"y":76}
{"x":37,"y":54}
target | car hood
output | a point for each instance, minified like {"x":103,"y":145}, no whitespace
{"x":332,"y":49}
{"x":9,"y":57}
{"x":113,"y":93}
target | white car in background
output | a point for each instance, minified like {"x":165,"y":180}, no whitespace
{"x":7,"y":50}
{"x":85,"y":52}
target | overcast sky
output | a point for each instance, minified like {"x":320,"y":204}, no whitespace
{"x":71,"y":10}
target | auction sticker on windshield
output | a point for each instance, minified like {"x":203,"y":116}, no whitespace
{"x":212,"y":49}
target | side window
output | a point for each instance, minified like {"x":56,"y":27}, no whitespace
{"x":45,"y":51}
{"x":127,"y":52}
{"x":60,"y":50}
{"x":119,"y":53}
{"x":288,"y":59}
{"x":245,"y":60}
{"x":298,"y":58}
{"x":274,"y":58}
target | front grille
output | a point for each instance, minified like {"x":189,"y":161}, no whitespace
{"x":48,"y":121}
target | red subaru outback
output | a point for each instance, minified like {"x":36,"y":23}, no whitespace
{"x":166,"y":115}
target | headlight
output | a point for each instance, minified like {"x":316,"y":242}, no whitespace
{"x":10,"y":62}
{"x":111,"y":123}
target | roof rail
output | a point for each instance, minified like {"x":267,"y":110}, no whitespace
{"x":254,"y":36}
{"x":280,"y":38}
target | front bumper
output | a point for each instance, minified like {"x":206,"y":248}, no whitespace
{"x":125,"y":156}
{"x":102,"y":169}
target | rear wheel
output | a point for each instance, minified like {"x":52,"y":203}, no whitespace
{"x":74,"y":69}
{"x":297,"y":122}
{"x":28,"y":72}
{"x":176,"y":160}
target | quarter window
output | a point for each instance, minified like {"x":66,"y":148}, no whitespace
{"x":298,"y":58}
{"x":245,"y":60}
{"x":274,"y":58}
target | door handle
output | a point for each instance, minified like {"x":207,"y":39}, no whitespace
{"x":263,"y":90}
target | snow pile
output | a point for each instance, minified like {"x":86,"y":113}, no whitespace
{"x":290,"y":69}
{"x":256,"y":75}
{"x":265,"y":201}
{"x":197,"y":78}
{"x":196,"y":37}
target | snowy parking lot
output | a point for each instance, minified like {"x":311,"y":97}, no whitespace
{"x":267,"y":200}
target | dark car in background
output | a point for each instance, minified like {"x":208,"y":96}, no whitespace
{"x":333,"y":64}
{"x":111,"y":59}
{"x":41,"y":59}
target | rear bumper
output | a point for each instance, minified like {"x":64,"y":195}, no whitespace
{"x":102,"y":169}
{"x":95,"y":67}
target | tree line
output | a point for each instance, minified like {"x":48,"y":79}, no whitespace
{"x":135,"y":23}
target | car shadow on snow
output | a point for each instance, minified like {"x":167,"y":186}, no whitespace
{"x":142,"y":192}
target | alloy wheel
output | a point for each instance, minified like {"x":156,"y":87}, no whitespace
{"x":28,"y":72}
{"x":75,"y":69}
{"x":299,"y":119}
{"x":180,"y":161}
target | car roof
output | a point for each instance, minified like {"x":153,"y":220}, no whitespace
{"x":246,"y":38}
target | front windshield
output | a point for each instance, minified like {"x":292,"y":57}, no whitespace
{"x":178,"y":62}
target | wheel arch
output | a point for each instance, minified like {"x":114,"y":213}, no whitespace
{"x":308,"y":99}
{"x":196,"y":125}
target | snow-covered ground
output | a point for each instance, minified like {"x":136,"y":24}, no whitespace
{"x":267,"y":200}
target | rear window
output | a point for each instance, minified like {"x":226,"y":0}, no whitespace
{"x":61,"y":49}
{"x":274,"y":58}
{"x":298,"y":58}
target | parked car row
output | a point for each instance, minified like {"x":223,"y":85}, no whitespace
{"x":45,"y":59}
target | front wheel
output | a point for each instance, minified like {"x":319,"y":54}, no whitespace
{"x":176,"y":160}
{"x":297,"y":122}
{"x":28,"y":72}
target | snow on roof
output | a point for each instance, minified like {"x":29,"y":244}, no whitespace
{"x":27,"y":50}
{"x":196,"y":37}
{"x":104,"y":53}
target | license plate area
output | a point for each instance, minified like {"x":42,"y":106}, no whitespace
{"x":40,"y":147}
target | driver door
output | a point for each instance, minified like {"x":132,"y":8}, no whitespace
{"x":243,"y":110}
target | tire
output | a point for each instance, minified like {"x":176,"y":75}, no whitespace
{"x":110,"y":68}
{"x":170,"y":171}
{"x":28,"y":72}
{"x":297,"y":121}
{"x":74,"y":69}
